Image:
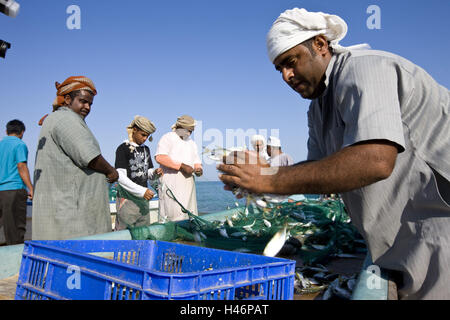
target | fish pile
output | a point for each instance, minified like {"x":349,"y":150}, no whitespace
{"x":316,"y":230}
{"x":318,"y":279}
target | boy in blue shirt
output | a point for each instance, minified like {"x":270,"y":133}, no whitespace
{"x":14,"y":181}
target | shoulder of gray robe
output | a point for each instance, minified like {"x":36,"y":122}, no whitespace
{"x":72,"y":134}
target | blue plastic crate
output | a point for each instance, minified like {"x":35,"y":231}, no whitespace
{"x":143,"y":270}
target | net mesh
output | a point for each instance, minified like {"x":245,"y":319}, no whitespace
{"x":322,"y":227}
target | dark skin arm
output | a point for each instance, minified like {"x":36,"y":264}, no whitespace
{"x":351,"y":168}
{"x":99,"y":164}
{"x":186,"y":170}
{"x":25,"y":175}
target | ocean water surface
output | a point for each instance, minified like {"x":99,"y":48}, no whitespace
{"x":211,"y":197}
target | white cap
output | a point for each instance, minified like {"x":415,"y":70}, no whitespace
{"x":273,"y":142}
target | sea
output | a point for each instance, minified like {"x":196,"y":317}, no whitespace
{"x":211,"y":197}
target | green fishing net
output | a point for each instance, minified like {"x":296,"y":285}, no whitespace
{"x":141,"y":203}
{"x":169,"y":231}
{"x":322,"y":227}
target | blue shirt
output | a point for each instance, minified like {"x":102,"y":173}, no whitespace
{"x":12,"y":151}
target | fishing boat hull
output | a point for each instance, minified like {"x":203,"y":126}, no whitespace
{"x":112,"y":208}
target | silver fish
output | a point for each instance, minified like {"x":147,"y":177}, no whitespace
{"x":223,"y":233}
{"x":276,"y":243}
{"x":215,"y":158}
{"x":313,"y":281}
{"x":249,"y":227}
{"x":327,"y":294}
{"x":351,"y":284}
{"x":311,"y":289}
{"x":344,"y":255}
{"x":319,"y":276}
{"x":197,"y":237}
{"x":319,"y":268}
{"x":302,"y":280}
{"x":267,"y":223}
{"x":318,"y":246}
{"x":261,"y":203}
{"x":342,"y":293}
{"x":300,"y":216}
{"x":238,"y":234}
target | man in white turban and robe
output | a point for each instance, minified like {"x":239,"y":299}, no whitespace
{"x":379,"y":131}
{"x":258,"y":143}
{"x":178,"y":156}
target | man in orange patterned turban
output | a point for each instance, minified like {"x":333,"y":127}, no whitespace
{"x":71,"y":88}
{"x":70,"y":190}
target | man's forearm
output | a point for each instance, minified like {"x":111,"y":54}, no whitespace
{"x":303,"y":162}
{"x":350,"y":168}
{"x":99,"y":164}
{"x":25,"y":175}
{"x":167,"y":162}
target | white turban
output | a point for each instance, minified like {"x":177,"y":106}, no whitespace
{"x":273,"y":142}
{"x":295,"y":26}
{"x":257,"y":137}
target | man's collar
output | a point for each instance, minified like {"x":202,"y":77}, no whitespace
{"x":329,"y":69}
{"x":326,"y":76}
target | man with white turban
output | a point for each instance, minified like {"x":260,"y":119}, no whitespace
{"x":259,"y":145}
{"x":378,"y":134}
{"x":178,"y":156}
{"x":135,"y":168}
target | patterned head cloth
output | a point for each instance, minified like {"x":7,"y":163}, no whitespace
{"x":142,"y":123}
{"x":186,"y":122}
{"x":69,"y":85}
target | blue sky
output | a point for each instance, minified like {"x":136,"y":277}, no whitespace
{"x":205,"y":58}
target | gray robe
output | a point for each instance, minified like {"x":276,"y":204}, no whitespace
{"x":70,"y":200}
{"x":404,"y":219}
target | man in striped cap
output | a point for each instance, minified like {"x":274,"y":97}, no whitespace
{"x":71,"y":192}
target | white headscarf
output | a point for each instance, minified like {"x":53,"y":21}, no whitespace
{"x":295,"y":26}
{"x":257,"y":137}
{"x":263,"y":152}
